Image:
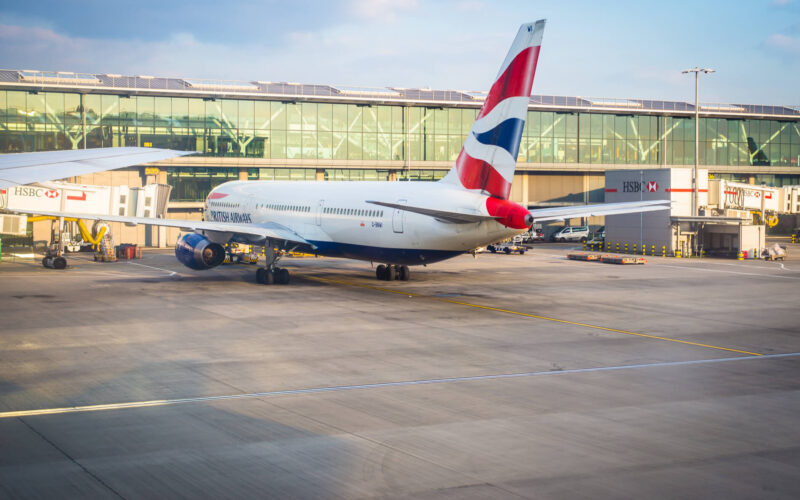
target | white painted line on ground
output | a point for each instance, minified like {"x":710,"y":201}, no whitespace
{"x":761,"y":275}
{"x":382,"y":385}
{"x":171,"y":273}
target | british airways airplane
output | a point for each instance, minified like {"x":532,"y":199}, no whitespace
{"x":395,"y":224}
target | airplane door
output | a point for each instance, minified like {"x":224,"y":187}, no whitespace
{"x":397,"y":217}
{"x":320,"y":208}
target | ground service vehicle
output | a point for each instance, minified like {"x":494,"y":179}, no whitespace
{"x":600,"y":234}
{"x":577,"y":233}
{"x":507,"y":247}
{"x":534,"y":235}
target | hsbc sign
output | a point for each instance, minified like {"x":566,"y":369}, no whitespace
{"x":34,"y":198}
{"x":639,"y":186}
{"x":674,"y":184}
{"x":36,"y":192}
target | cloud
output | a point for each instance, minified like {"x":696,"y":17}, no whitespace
{"x":784,"y":43}
{"x":382,"y":10}
{"x":364,"y":54}
{"x":18,"y":33}
{"x":780,"y":3}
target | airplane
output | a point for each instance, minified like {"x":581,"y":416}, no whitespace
{"x":394,"y":224}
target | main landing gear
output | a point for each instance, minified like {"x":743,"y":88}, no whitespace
{"x":275,"y":275}
{"x":392,"y":272}
{"x":270,"y":273}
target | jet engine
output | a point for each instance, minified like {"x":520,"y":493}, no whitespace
{"x":197,"y":252}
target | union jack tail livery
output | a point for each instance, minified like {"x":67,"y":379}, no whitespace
{"x":489,"y":156}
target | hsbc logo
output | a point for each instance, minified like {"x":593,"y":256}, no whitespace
{"x":638,"y":187}
{"x":35,"y":192}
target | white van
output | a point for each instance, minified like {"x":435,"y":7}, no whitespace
{"x":577,"y":233}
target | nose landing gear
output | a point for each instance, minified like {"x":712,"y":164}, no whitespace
{"x":392,"y":272}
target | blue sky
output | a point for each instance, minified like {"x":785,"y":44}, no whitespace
{"x":591,"y":49}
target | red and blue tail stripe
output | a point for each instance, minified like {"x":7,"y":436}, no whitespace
{"x":506,"y":135}
{"x":488,"y":158}
{"x":515,"y":81}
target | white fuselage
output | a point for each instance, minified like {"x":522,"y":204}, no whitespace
{"x":336,"y":218}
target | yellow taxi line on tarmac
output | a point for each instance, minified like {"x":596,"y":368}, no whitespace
{"x":79,"y":409}
{"x":529,"y":315}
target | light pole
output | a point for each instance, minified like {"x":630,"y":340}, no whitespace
{"x":696,"y":72}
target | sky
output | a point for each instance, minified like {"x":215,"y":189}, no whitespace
{"x":620,"y":49}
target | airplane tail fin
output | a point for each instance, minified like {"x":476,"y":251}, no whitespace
{"x":489,"y":155}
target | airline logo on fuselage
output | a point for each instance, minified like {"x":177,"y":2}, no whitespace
{"x":220,"y":216}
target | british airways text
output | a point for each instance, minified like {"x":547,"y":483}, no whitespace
{"x":230,"y":217}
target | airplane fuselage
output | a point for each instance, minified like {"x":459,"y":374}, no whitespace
{"x":336,"y":218}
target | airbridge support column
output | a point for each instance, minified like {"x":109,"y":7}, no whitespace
{"x":524,"y":182}
{"x":161,"y":231}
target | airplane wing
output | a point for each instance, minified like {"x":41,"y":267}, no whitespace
{"x":253,"y":232}
{"x":562,"y":213}
{"x":25,"y":168}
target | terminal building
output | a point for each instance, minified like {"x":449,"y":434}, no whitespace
{"x":292,"y":131}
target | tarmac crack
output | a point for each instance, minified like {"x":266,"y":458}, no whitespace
{"x":71,"y":459}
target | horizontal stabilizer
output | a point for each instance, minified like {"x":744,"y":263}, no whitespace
{"x":627,"y":207}
{"x":443,"y":215}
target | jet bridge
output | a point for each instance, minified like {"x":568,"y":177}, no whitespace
{"x":147,"y":201}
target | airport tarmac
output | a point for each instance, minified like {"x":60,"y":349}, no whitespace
{"x":505,"y":376}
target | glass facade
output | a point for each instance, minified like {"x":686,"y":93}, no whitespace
{"x":288,"y":130}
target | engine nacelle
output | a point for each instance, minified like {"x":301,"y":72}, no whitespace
{"x":197,"y":252}
{"x":508,"y":213}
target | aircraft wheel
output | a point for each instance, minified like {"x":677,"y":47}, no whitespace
{"x":380,"y":272}
{"x":45,"y":260}
{"x":59,"y":263}
{"x":403,"y":273}
{"x":261,"y":276}
{"x":391,"y":273}
{"x":282,"y":276}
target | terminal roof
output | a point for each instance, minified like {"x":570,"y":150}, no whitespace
{"x":291,"y":91}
